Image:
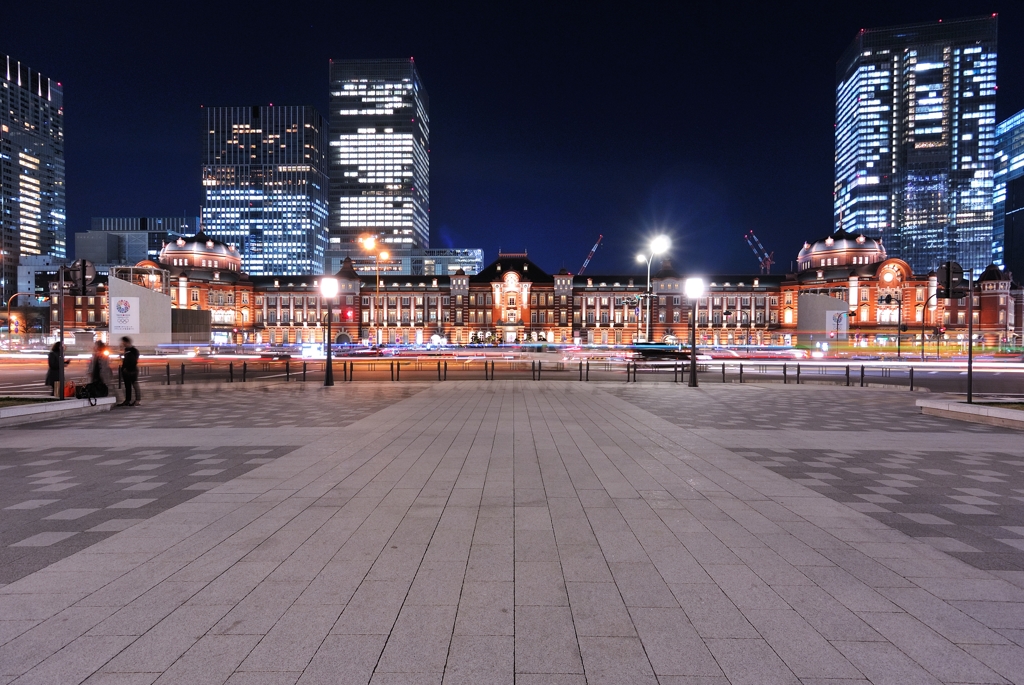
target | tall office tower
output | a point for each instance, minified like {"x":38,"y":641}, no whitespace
{"x":131,"y":239}
{"x":1008,"y":199}
{"x":32,"y":207}
{"x":265,"y":186}
{"x":915,"y":140}
{"x":380,"y":135}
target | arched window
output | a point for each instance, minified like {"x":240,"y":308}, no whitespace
{"x":787,"y":316}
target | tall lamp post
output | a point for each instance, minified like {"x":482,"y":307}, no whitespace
{"x":369,"y":243}
{"x":924,"y":319}
{"x":694,"y":289}
{"x":10,"y":339}
{"x":659,"y":245}
{"x":329,"y":290}
{"x":889,"y":299}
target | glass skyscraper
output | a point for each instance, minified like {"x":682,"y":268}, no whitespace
{"x":915,"y":140}
{"x":265,"y":186}
{"x":380,"y":134}
{"x":1008,"y":200}
{"x":33,"y":212}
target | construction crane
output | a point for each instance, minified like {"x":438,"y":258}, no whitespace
{"x":590,"y":256}
{"x":765,"y":257}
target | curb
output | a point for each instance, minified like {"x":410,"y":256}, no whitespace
{"x":974,"y":413}
{"x":44,"y":411}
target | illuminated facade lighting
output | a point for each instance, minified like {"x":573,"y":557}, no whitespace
{"x":32,"y":205}
{"x":379,"y":144}
{"x":1008,"y":200}
{"x":265,"y":186}
{"x":915,"y":140}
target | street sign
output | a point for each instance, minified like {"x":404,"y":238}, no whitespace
{"x":951,"y":282}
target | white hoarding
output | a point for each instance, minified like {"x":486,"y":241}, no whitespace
{"x":124,"y":316}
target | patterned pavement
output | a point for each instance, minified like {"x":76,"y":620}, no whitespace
{"x":966,"y":502}
{"x":58,"y":500}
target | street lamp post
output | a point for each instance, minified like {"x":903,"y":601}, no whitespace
{"x":370,"y":243}
{"x":10,"y":339}
{"x":694,"y":288}
{"x":889,"y":299}
{"x":924,"y":319}
{"x":659,"y":245}
{"x":329,"y":289}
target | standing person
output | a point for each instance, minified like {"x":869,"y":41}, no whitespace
{"x":99,"y":371}
{"x":130,"y":373}
{"x":53,"y":367}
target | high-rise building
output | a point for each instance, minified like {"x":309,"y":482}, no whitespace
{"x":33,"y":213}
{"x":379,"y":167}
{"x":406,"y":261}
{"x":131,"y":239}
{"x":1008,"y":200}
{"x":265,"y":186}
{"x":915,"y":140}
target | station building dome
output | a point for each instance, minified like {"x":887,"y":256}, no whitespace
{"x":201,"y":252}
{"x":841,"y":248}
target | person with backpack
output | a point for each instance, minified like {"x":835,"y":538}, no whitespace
{"x":130,"y":373}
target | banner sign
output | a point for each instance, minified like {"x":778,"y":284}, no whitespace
{"x":124,"y":315}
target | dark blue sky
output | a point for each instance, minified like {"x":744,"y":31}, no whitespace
{"x":550,"y":123}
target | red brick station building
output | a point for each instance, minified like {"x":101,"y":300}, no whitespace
{"x":515,"y":300}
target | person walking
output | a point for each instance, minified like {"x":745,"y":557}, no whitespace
{"x":99,"y":371}
{"x":53,"y":367}
{"x":130,"y":373}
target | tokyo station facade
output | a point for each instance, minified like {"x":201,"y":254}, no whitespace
{"x":514,"y":300}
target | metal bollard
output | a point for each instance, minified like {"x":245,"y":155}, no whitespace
{"x":168,"y":373}
{"x":741,"y":372}
{"x":287,"y":371}
{"x":351,"y":370}
{"x":439,"y":371}
{"x":398,"y":371}
{"x":581,"y":369}
{"x":392,"y":370}
{"x":862,"y":375}
{"x":847,"y":375}
{"x":303,"y":372}
{"x":723,"y":372}
{"x":344,"y":371}
{"x":911,"y":379}
{"x":588,"y":369}
{"x":533,"y":370}
{"x":540,"y":368}
{"x":245,"y":367}
{"x":231,"y":372}
{"x":487,"y":376}
{"x":785,"y":375}
{"x":445,"y":370}
{"x":183,"y":373}
{"x":120,"y":375}
{"x":798,"y":374}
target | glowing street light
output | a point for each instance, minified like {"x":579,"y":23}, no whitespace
{"x":329,"y":290}
{"x":694,"y":290}
{"x":369,"y":244}
{"x":659,"y":245}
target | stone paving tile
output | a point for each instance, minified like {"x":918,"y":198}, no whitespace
{"x":515,"y":532}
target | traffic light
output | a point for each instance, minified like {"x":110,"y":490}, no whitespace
{"x":831,"y":334}
{"x":950,"y":281}
{"x":348,"y":314}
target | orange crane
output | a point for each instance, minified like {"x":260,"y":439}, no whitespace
{"x":763,"y":256}
{"x":591,"y":255}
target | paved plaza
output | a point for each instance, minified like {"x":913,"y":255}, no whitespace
{"x":513,"y":532}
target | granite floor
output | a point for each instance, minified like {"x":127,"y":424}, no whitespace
{"x":532,"y":532}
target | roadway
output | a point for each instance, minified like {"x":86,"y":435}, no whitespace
{"x":24,"y":375}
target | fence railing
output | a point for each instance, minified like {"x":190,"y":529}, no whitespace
{"x":440,"y":370}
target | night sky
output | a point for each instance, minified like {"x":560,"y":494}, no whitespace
{"x":550,"y":123}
